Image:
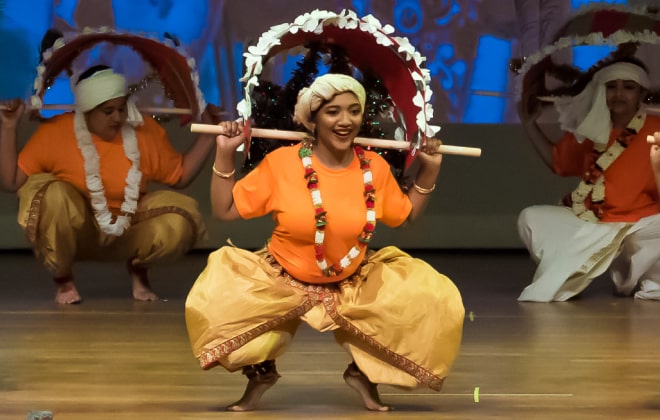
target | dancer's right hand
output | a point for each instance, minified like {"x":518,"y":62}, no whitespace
{"x":233,"y":136}
{"x":12,"y":110}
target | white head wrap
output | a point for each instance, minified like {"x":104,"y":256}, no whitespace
{"x":103,"y":86}
{"x":324,"y":89}
{"x":586,"y":115}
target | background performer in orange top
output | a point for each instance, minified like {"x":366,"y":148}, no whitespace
{"x":82,"y":178}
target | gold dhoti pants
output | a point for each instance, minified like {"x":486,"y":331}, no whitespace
{"x":399,"y":318}
{"x":61,"y":227}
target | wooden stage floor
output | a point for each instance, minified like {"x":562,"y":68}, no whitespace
{"x":596,"y":357}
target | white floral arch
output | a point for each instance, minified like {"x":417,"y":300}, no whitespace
{"x":393,"y":58}
{"x":175,"y":68}
{"x":644,"y":33}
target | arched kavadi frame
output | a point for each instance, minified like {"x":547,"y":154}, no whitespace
{"x":601,"y":25}
{"x":174,"y":69}
{"x":607,"y":20}
{"x":368,"y":46}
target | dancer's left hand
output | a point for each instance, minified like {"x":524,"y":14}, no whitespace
{"x":429,"y":154}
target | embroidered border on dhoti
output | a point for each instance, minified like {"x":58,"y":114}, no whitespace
{"x":32,"y":220}
{"x":141,"y":216}
{"x":611,"y":247}
{"x":326,"y":295}
{"x":33,"y":216}
{"x":421,"y":374}
{"x":32,"y":225}
{"x":209,"y":358}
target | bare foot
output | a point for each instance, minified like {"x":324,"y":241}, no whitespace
{"x":257,"y":385}
{"x":141,"y":288}
{"x":66,"y":292}
{"x":367,"y":389}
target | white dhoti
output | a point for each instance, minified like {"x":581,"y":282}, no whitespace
{"x":571,"y":252}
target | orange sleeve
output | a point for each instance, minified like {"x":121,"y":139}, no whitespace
{"x":253,"y":193}
{"x":570,"y":158}
{"x":160,"y":161}
{"x":395,"y":206}
{"x":34,"y":157}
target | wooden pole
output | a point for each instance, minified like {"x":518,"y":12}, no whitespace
{"x":364,"y":141}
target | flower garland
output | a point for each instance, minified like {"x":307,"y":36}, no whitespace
{"x":95,"y":185}
{"x":593,"y":183}
{"x":320,"y":214}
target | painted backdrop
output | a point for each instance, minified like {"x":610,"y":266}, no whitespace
{"x":467,"y":43}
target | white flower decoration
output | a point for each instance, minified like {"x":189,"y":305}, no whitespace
{"x":367,"y":177}
{"x":242,"y":106}
{"x":315,"y":22}
{"x":347,"y":20}
{"x":406,"y":48}
{"x":37,"y":102}
{"x":253,"y":64}
{"x":370,"y":24}
{"x":619,"y":37}
{"x":316,"y":197}
{"x":345,"y":262}
{"x":399,"y":134}
{"x":383,"y":39}
{"x":278,"y":30}
{"x":354,"y":252}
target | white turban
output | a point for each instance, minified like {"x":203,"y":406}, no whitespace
{"x":586,"y":115}
{"x":103,"y":86}
{"x":324,"y":89}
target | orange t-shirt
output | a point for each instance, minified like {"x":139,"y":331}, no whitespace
{"x":277,"y":185}
{"x":630,"y":189}
{"x":53,"y":148}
